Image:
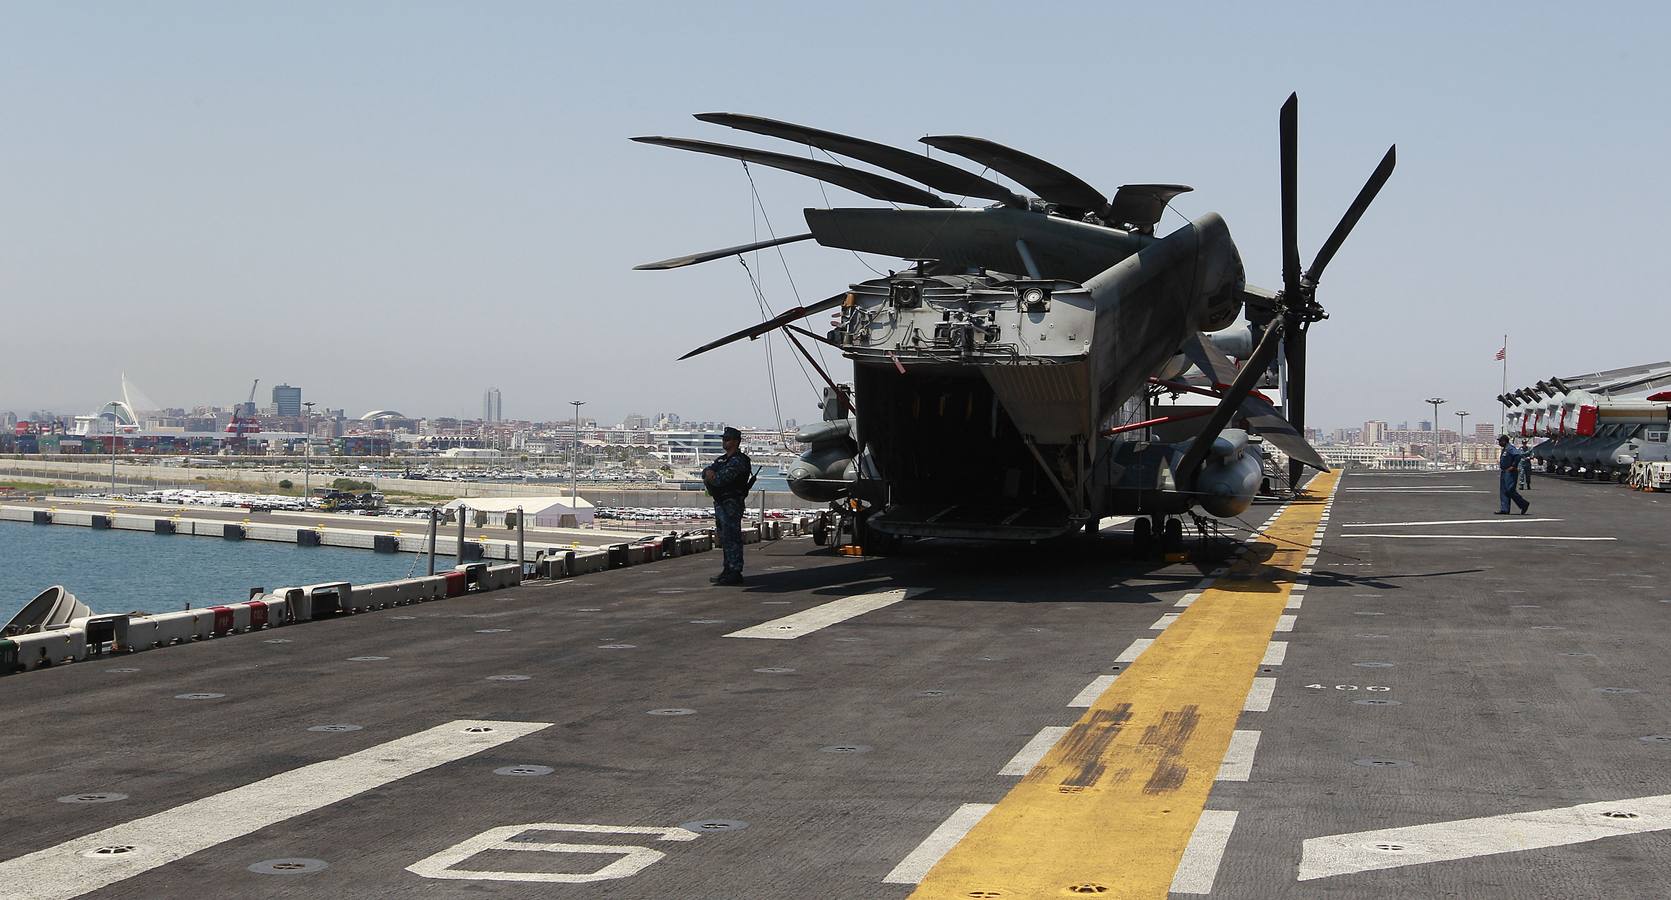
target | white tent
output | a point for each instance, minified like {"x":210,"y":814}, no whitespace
{"x":541,"y":512}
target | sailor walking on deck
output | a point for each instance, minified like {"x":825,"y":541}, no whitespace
{"x":1525,"y":467}
{"x":1508,"y":475}
{"x":729,"y":479}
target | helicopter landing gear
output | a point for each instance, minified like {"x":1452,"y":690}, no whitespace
{"x":1172,"y":535}
{"x":1157,"y":535}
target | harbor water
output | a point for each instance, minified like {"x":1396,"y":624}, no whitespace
{"x":136,"y":571}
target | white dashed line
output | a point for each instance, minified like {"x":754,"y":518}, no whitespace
{"x":1275,"y":654}
{"x":914,"y":867}
{"x":1286,"y":623}
{"x":1163,"y":621}
{"x":1136,"y":649}
{"x":1089,"y":694}
{"x":1238,"y":757}
{"x":1294,"y":600}
{"x":1187,"y":599}
{"x":1029,"y":756}
{"x":1259,"y":696}
{"x":1199,"y":865}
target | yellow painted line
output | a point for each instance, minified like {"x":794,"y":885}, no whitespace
{"x":1110,"y":808}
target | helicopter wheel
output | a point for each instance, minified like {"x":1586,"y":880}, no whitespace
{"x":1142,"y":537}
{"x":1172,"y":535}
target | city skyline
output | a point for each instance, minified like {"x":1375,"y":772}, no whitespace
{"x":423,"y":188}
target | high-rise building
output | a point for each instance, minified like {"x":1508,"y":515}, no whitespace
{"x":492,"y":411}
{"x":1374,"y":432}
{"x":1485,"y":433}
{"x":287,"y":400}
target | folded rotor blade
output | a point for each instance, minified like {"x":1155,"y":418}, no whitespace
{"x":1210,"y":360}
{"x":932,"y":172}
{"x":778,"y":321}
{"x":860,"y":182}
{"x":1231,"y":403}
{"x":1353,"y":213}
{"x":710,"y":255}
{"x":1263,"y":418}
{"x":1143,"y":204}
{"x":1288,"y":126}
{"x":1293,"y":393}
{"x":1051,"y":182}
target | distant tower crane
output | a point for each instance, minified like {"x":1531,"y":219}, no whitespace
{"x":243,"y":421}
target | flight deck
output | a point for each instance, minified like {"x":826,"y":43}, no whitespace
{"x":1388,"y":691}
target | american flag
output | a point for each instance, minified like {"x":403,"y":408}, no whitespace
{"x":1502,"y":354}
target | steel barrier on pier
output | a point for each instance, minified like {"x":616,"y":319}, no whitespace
{"x":62,"y":644}
{"x":130,"y":633}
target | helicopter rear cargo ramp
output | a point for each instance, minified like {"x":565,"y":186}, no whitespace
{"x":1392,"y":693}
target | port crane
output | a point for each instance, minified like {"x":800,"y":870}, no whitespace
{"x":243,"y":420}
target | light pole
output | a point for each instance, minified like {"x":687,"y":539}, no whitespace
{"x":1436,"y":401}
{"x":574,"y":454}
{"x":1461,"y":435}
{"x":307,"y":450}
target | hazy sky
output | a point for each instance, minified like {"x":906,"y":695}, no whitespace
{"x":399,"y":204}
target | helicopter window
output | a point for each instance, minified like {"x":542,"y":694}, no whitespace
{"x":1657,"y":435}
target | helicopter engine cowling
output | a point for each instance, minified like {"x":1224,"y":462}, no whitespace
{"x":822,"y":471}
{"x":1230,"y":475}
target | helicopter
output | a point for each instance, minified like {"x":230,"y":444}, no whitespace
{"x":1005,"y":384}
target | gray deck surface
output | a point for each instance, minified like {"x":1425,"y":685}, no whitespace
{"x":1497,"y":649}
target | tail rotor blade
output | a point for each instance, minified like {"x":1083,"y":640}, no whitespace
{"x":1293,"y":396}
{"x":1231,"y":403}
{"x":1353,"y":214}
{"x":1288,"y":127}
{"x":1278,"y":432}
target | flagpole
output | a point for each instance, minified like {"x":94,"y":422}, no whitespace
{"x":1502,"y":411}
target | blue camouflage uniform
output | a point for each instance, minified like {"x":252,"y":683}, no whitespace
{"x":1509,"y":476}
{"x":732,"y":472}
{"x":1525,"y":467}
